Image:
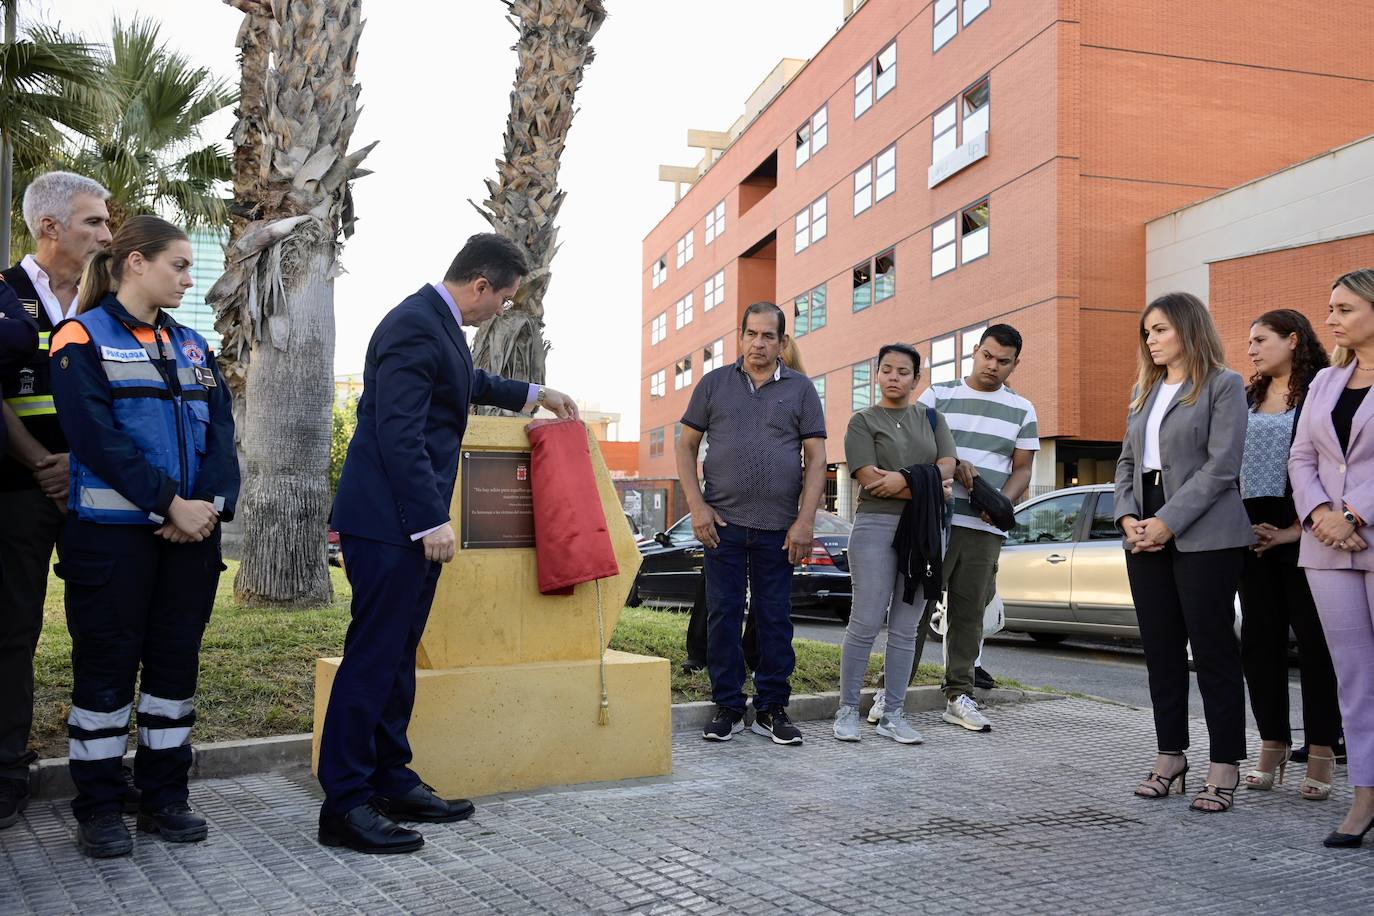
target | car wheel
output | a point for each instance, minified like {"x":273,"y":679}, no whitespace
{"x":1049,"y":639}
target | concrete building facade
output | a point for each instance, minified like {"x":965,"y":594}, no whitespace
{"x":939,"y":166}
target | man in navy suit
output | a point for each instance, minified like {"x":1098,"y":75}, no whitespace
{"x":392,"y":515}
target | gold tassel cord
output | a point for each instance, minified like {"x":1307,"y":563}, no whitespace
{"x":603,"y":716}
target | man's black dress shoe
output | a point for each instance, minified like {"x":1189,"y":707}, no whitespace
{"x":104,"y":836}
{"x":421,"y":804}
{"x":176,"y":823}
{"x":366,"y":829}
{"x":692,"y":665}
{"x":133,"y":798}
{"x":982,"y":680}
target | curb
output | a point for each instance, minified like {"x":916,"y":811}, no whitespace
{"x":50,"y":777}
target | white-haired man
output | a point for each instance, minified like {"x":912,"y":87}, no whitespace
{"x":67,"y":216}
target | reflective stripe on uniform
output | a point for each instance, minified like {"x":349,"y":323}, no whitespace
{"x":97,"y":748}
{"x":93,"y":498}
{"x":43,"y":339}
{"x":92,"y":721}
{"x":168,"y":709}
{"x":125,"y":372}
{"x":32,"y":405}
{"x":160,"y":739}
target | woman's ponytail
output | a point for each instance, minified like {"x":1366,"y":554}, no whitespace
{"x":96,"y":281}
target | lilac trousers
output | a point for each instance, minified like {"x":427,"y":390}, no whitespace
{"x":1345,"y":603}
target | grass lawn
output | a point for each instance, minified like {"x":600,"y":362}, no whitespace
{"x":257,"y":666}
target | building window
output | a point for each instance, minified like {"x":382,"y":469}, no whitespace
{"x":861,"y":395}
{"x":683,"y":311}
{"x":809,"y":312}
{"x":713,"y":357}
{"x":974,"y":225}
{"x":944,"y":132}
{"x":660,"y":271}
{"x":863,"y":188}
{"x":951,"y":356}
{"x":886,"y":168}
{"x":714,"y":292}
{"x":819,"y":382}
{"x":946,"y":23}
{"x":863,"y":90}
{"x":677,"y":434}
{"x":942,"y":247}
{"x":810,"y":225}
{"x":812,"y":135}
{"x":682,"y":373}
{"x":885,"y":68}
{"x":969,"y":346}
{"x":973,"y":9}
{"x":656,"y":443}
{"x":684,"y":248}
{"x":658,"y":383}
{"x":658,"y":328}
{"x":975,"y":105}
{"x":863,"y":286}
{"x":715,"y":223}
{"x":885,"y":275}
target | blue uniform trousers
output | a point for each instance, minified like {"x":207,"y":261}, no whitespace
{"x":363,"y":749}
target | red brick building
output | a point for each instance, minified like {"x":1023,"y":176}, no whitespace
{"x":939,"y":166}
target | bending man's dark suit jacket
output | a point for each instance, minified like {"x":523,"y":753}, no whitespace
{"x":18,"y":339}
{"x":418,"y":383}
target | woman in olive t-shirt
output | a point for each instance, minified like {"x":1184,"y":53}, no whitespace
{"x":881,"y":440}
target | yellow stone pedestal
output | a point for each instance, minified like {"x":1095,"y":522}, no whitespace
{"x":508,"y":683}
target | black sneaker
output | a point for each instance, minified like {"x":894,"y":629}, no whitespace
{"x":727,"y":724}
{"x":176,"y":822}
{"x":692,"y":666}
{"x":982,"y":680}
{"x":773,"y":723}
{"x":14,"y":798}
{"x":104,"y":836}
{"x":133,"y":798}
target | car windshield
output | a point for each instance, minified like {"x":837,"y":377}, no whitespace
{"x":830,"y":524}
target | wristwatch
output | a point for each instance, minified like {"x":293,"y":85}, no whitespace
{"x":1350,"y":517}
{"x":541,"y":396}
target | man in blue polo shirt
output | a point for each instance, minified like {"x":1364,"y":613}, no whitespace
{"x":756,"y":517}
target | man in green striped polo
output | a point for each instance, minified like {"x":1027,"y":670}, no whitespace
{"x":996,"y":438}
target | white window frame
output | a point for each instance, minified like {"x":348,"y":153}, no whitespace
{"x":658,"y":384}
{"x":944,"y":132}
{"x":803,"y":139}
{"x":978,"y":7}
{"x":658,"y":328}
{"x":874,"y":274}
{"x":943,"y":239}
{"x":885,"y":75}
{"x":863,"y":188}
{"x":819,"y":219}
{"x":944,"y":23}
{"x":978,"y":120}
{"x":944,"y":359}
{"x":660,"y":271}
{"x":979,"y":238}
{"x":656,"y":443}
{"x":969,"y":338}
{"x":885,"y":173}
{"x":682,"y":373}
{"x":713,"y":355}
{"x":682,"y":312}
{"x":813,"y":135}
{"x":819,"y":382}
{"x":713,"y":293}
{"x":802,"y":231}
{"x":810,"y":225}
{"x":685,"y":247}
{"x":863,"y":90}
{"x":715,"y":223}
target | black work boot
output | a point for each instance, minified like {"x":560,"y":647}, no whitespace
{"x":14,"y":798}
{"x":104,"y":836}
{"x":176,"y":822}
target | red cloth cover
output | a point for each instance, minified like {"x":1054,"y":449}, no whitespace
{"x":571,"y":541}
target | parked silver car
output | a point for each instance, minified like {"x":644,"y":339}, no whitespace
{"x":1063,"y":570}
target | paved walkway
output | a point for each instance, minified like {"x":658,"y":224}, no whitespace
{"x":1036,"y":817}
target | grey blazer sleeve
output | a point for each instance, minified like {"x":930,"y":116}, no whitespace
{"x":1124,"y":500}
{"x":1225,"y":451}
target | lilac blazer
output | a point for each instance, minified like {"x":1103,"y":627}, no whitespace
{"x":1324,"y":475}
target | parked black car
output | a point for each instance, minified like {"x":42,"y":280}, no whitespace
{"x":821,"y":589}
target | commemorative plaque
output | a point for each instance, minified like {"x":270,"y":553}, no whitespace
{"x":498,"y":510}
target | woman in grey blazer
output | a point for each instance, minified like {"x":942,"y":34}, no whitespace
{"x":1178,"y":504}
{"x":1332,"y":468}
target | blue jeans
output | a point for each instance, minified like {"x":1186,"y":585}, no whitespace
{"x":755,"y":557}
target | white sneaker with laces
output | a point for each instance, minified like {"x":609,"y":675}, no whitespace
{"x":879,"y":702}
{"x":962,"y":711}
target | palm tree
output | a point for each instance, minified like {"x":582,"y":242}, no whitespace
{"x":40,"y":81}
{"x":147,"y":147}
{"x":554,"y":47}
{"x":278,"y":287}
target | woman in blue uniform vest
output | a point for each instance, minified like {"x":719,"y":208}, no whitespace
{"x":153,"y":472}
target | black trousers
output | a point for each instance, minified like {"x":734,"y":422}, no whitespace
{"x":1182,"y":598}
{"x":29,"y":526}
{"x":1274,"y":596}
{"x":137,"y":606}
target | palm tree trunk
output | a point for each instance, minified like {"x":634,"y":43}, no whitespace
{"x":554,"y":48}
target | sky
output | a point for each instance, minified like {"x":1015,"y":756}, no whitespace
{"x":436,"y":78}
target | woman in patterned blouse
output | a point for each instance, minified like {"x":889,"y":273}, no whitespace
{"x":1273,"y":590}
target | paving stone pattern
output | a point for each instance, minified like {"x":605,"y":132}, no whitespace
{"x":1036,"y":817}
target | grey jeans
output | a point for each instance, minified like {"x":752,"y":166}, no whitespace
{"x":878,"y":596}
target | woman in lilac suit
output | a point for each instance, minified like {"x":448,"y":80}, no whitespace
{"x":1332,"y":469}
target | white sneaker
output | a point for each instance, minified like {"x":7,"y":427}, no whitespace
{"x":895,"y":726}
{"x":962,"y":711}
{"x":879,"y":702}
{"x":846,"y":726}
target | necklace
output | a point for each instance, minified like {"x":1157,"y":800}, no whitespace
{"x":1363,"y":369}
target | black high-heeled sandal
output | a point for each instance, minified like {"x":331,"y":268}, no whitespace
{"x":1215,"y":793}
{"x":1167,"y":782}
